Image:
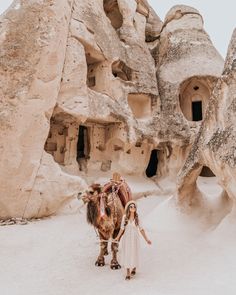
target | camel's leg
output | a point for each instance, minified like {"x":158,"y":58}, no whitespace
{"x":114,"y":249}
{"x":103,"y":247}
{"x":103,"y":251}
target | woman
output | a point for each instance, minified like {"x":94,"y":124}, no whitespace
{"x":130,"y":227}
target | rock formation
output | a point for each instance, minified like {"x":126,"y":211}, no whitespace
{"x":188,"y":66}
{"x":97,"y":85}
{"x":32,"y":52}
{"x":69,"y":70}
{"x":214,"y":145}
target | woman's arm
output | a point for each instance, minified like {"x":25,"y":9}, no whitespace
{"x":145,"y":237}
{"x":119,"y":234}
{"x":122,"y":229}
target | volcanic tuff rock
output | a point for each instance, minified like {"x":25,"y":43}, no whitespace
{"x":214,"y":145}
{"x":93,"y":85}
{"x":32,"y":53}
{"x":188,"y":66}
{"x":51,"y":54}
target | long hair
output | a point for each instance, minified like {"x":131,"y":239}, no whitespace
{"x":127,"y":216}
{"x":93,"y":211}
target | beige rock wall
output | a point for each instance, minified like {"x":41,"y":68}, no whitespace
{"x":32,"y":50}
{"x":188,"y":66}
{"x":65,"y":64}
{"x":109,"y":82}
{"x":214,"y":146}
{"x":93,"y":86}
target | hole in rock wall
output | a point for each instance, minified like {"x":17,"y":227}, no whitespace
{"x":138,"y":144}
{"x":206,"y":172}
{"x":197,"y":110}
{"x":91,"y":81}
{"x":83,"y":147}
{"x":149,"y":38}
{"x":56,"y":141}
{"x":194,"y":96}
{"x":94,"y":67}
{"x":153,"y":164}
{"x":120,"y":70}
{"x":118,"y":148}
{"x":209,"y":185}
{"x":140,"y":104}
{"x":112,"y":11}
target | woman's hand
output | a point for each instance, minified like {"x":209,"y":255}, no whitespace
{"x":149,"y":242}
{"x":117,"y":239}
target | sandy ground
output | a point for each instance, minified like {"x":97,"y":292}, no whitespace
{"x":189,"y":255}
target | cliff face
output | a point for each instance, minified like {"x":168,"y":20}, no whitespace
{"x":188,"y":67}
{"x":64,"y":64}
{"x":214,"y":145}
{"x":32,"y":50}
{"x":96,"y":85}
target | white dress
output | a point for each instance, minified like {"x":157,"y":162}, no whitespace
{"x":130,"y":244}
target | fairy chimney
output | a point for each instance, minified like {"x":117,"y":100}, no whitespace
{"x":188,"y":67}
{"x":214,"y":146}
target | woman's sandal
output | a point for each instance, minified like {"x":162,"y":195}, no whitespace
{"x":127,"y":277}
{"x":133,"y":272}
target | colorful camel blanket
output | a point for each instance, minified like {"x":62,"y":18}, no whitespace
{"x":121,"y":188}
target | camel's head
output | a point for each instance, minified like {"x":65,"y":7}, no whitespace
{"x":97,"y":210}
{"x":91,"y":194}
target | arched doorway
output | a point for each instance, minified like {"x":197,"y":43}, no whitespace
{"x":206,"y":172}
{"x":197,"y":110}
{"x":153,"y":164}
{"x":194,"y":95}
{"x":83,"y":148}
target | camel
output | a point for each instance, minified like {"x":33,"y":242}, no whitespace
{"x":105,"y":208}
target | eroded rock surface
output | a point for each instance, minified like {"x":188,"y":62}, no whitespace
{"x":214,"y":145}
{"x":96,"y":86}
{"x":65,"y":66}
{"x":188,"y":67}
{"x":33,"y":46}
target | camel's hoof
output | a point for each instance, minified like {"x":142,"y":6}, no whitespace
{"x":100,"y":263}
{"x":115,"y":266}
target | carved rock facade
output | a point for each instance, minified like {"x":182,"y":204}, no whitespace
{"x":97,"y":86}
{"x":214,"y":145}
